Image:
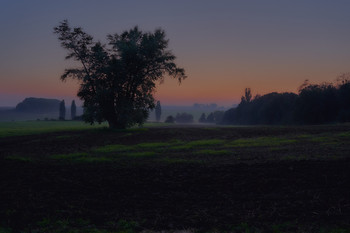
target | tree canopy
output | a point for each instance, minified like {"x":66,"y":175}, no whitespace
{"x":118,"y":79}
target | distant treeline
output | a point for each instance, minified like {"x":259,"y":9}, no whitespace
{"x":314,"y":104}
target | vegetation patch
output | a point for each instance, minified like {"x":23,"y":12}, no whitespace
{"x":70,"y":156}
{"x":64,"y":137}
{"x":19,"y":158}
{"x":137,"y":129}
{"x":141,"y":154}
{"x":113,"y":148}
{"x":296,"y":157}
{"x":304,"y":136}
{"x":19,"y":128}
{"x":344,"y":135}
{"x":182,"y":147}
{"x":152,"y":145}
{"x":260,"y":142}
{"x":79,"y":226}
{"x":170,"y":160}
{"x":82,"y":157}
{"x":94,"y":159}
{"x":212,"y":152}
{"x":324,"y":139}
{"x":209,"y":142}
{"x":321,"y":139}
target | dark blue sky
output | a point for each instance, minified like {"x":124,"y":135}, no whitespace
{"x":224,"y":46}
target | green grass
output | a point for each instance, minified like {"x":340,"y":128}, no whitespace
{"x":82,"y":157}
{"x":304,"y":136}
{"x":153,"y":145}
{"x":70,"y":156}
{"x":113,"y":148}
{"x":64,"y":137}
{"x":210,"y":142}
{"x":94,"y":159}
{"x":212,"y":152}
{"x":344,"y":135}
{"x":260,"y":142}
{"x":19,"y":128}
{"x":181,"y":147}
{"x":169,"y":160}
{"x":325,"y":139}
{"x":19,"y":158}
{"x":140,"y":154}
{"x":320,"y":139}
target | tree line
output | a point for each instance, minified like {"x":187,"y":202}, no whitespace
{"x":314,"y":104}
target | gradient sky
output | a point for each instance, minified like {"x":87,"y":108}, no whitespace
{"x":224,"y":46}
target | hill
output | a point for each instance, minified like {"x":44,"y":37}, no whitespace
{"x":38,"y":105}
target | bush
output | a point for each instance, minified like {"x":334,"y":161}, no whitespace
{"x":184,"y":118}
{"x":170,"y":119}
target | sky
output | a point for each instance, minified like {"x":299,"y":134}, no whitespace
{"x":225,"y":46}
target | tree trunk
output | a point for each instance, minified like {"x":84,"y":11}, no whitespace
{"x":114,"y":124}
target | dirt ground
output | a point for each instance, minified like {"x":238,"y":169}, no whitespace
{"x":290,"y":194}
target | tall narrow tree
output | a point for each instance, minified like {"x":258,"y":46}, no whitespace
{"x":73,"y":110}
{"x":62,"y":111}
{"x":158,"y":110}
{"x":247,"y":96}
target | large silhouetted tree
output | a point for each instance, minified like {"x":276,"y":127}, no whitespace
{"x":117,"y":80}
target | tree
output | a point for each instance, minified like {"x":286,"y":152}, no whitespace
{"x":170,"y":119}
{"x":218,"y":115}
{"x":158,"y":110}
{"x":272,"y":108}
{"x":247,"y":96}
{"x":118,"y":80}
{"x":62,"y":111}
{"x":184,"y":118}
{"x":73,"y":110}
{"x":210,"y":118}
{"x":317,"y":104}
{"x":203,"y":118}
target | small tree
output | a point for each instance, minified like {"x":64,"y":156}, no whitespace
{"x":73,"y":110}
{"x":247,"y":96}
{"x":170,"y":119}
{"x":158,"y":110}
{"x":184,"y":118}
{"x":202,"y":119}
{"x":218,"y":115}
{"x":210,"y":118}
{"x":62,"y":111}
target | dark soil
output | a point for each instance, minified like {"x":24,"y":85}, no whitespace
{"x":309,"y":193}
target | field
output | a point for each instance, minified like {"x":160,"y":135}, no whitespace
{"x":69,"y":177}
